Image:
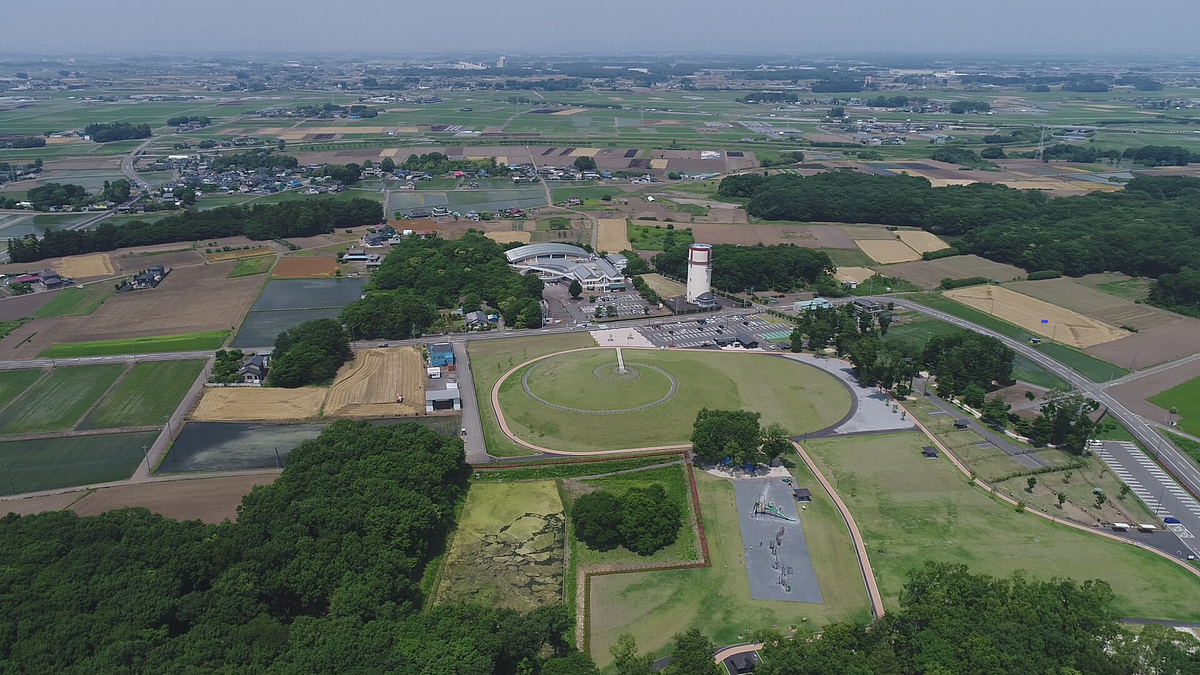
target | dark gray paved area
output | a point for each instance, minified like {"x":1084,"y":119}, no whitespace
{"x":757,"y":534}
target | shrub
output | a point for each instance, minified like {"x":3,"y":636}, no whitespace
{"x":949,"y":283}
{"x":1044,"y":274}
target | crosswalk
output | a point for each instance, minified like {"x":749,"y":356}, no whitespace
{"x":1155,"y":496}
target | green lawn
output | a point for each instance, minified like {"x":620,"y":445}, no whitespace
{"x":58,"y":401}
{"x":186,"y":342}
{"x":13,"y":382}
{"x":844,"y":257}
{"x":799,"y":397}
{"x":1130,"y":289}
{"x":653,"y":606}
{"x":1185,"y":398}
{"x":911,"y":509}
{"x":1186,"y":445}
{"x":52,"y":463}
{"x":586,"y":193}
{"x":1091,"y":368}
{"x":76,"y":301}
{"x":650,"y":237}
{"x":492,"y":358}
{"x":249,"y":266}
{"x":148,"y":395}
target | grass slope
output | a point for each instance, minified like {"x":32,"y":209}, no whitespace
{"x":75,"y":301}
{"x":51,"y":463}
{"x":911,"y":509}
{"x":1185,"y":398}
{"x":147,"y":396}
{"x":799,"y":397}
{"x":185,"y":342}
{"x":58,"y":401}
{"x":653,"y":606}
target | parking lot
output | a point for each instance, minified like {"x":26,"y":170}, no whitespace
{"x":703,"y":332}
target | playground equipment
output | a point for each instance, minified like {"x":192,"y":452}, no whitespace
{"x":785,"y":571}
{"x":763,"y":506}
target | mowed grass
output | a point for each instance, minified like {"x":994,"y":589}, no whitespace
{"x":653,"y":606}
{"x":1092,"y":368}
{"x":58,"y":401}
{"x":147,"y":396}
{"x":1185,"y":398}
{"x":185,"y":342}
{"x":492,"y":358}
{"x":250,"y":266}
{"x":912,"y":509}
{"x":50,"y":463}
{"x":799,"y":397}
{"x":13,"y":382}
{"x":76,"y":301}
{"x":650,"y":237}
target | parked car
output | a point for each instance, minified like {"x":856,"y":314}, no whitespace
{"x":1171,"y":520}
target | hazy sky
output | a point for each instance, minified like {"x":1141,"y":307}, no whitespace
{"x":520,"y":26}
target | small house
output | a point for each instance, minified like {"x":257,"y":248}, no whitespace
{"x":929,"y":452}
{"x":476,"y":319}
{"x":441,"y":354}
{"x":254,"y":371}
{"x":741,"y":664}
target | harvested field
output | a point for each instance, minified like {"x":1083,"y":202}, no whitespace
{"x":921,"y":241}
{"x":368,"y":385}
{"x":1159,"y":344}
{"x":868,"y":232}
{"x":612,"y":236}
{"x":238,"y":404}
{"x":885,"y":252}
{"x":211,"y":500}
{"x":511,"y":237}
{"x":131,"y":263}
{"x":190,"y":300}
{"x":855,"y":274}
{"x":929,"y":274}
{"x":808,"y":236}
{"x":83,"y":266}
{"x":221,"y":256}
{"x":1063,"y":325}
{"x":664,"y":286}
{"x":304,"y":268}
{"x":1095,"y":303}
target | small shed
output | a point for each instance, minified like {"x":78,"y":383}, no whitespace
{"x":444,"y":399}
{"x":740,"y":664}
{"x":441,"y":354}
{"x":802,"y":494}
{"x":930,"y":452}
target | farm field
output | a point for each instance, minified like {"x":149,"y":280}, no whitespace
{"x":1088,"y":301}
{"x":187,"y":342}
{"x":368,"y":385}
{"x":1152,"y":346}
{"x":921,"y":241}
{"x":1063,"y":325}
{"x":148,"y":395}
{"x":239,"y":404}
{"x":800,"y":397}
{"x":84,"y":266}
{"x":1120,"y":285}
{"x":664,"y":286}
{"x":13,"y":382}
{"x":508,"y":548}
{"x":250,"y":266}
{"x":309,"y":293}
{"x":261,"y":328}
{"x":650,"y":237}
{"x":886,"y":252}
{"x":854,"y":274}
{"x":1185,"y":398}
{"x":304,"y":268}
{"x":769,"y":234}
{"x":902,"y":502}
{"x":56,"y":402}
{"x":21,"y":306}
{"x":611,"y":236}
{"x":222,"y":256}
{"x":928,"y":274}
{"x":510,"y":237}
{"x":655,"y":605}
{"x":489,"y":359}
{"x":75,"y":301}
{"x":50,"y":463}
{"x":211,"y":500}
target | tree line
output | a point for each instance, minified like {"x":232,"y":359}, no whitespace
{"x":254,"y":159}
{"x":320,"y":573}
{"x":101,"y":132}
{"x":297,"y":218}
{"x":48,"y":195}
{"x":781,"y":267}
{"x":309,"y":353}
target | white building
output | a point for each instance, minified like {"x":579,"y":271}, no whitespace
{"x":699,"y":277}
{"x":563,"y":261}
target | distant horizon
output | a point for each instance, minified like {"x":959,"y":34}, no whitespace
{"x":1015,"y":28}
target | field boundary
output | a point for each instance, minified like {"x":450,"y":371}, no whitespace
{"x":124,"y":374}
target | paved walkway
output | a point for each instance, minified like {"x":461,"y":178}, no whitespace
{"x":1023,"y":455}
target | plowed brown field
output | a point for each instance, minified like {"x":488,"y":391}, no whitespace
{"x":368,"y":385}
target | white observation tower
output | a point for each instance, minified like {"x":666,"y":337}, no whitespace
{"x":699,"y":276}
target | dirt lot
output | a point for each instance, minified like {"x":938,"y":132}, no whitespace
{"x":241,"y":404}
{"x":612,"y":236}
{"x":1096,"y":304}
{"x":189,"y":300}
{"x":921,"y":241}
{"x":131,"y":263}
{"x":221,"y":256}
{"x":886,"y":252}
{"x":1065,"y":326}
{"x":1134,"y":393}
{"x":855,"y":274}
{"x":1159,"y":344}
{"x":929,"y":274}
{"x":368,"y":385}
{"x":304,"y":268}
{"x":664,"y":286}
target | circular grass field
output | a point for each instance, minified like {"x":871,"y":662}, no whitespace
{"x":610,"y":411}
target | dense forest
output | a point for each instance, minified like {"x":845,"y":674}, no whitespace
{"x":736,"y":268}
{"x":309,"y":353}
{"x":297,"y":218}
{"x":465,"y":272}
{"x":1149,"y":229}
{"x":116,"y":131}
{"x":320,"y":574}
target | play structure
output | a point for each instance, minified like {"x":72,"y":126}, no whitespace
{"x":764,"y":507}
{"x":785,"y":571}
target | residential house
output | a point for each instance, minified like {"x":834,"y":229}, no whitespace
{"x":151,"y":278}
{"x":442,"y":354}
{"x":476,"y":319}
{"x":254,"y":371}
